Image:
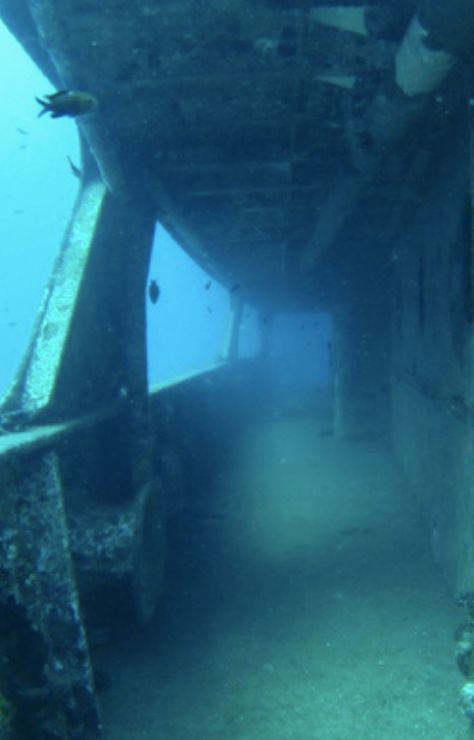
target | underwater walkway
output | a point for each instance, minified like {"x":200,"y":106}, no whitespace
{"x":304,"y":606}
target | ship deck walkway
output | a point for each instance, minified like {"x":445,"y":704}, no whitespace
{"x":306,"y":605}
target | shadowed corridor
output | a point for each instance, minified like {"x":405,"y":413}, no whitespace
{"x":304,"y":605}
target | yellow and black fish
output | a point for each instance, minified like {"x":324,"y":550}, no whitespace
{"x":70,"y":103}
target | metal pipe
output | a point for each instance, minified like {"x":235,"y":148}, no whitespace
{"x":440,"y":34}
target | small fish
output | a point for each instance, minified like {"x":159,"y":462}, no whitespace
{"x":76,"y":171}
{"x":70,"y":103}
{"x":22,"y":131}
{"x":209,"y":309}
{"x":234,"y":288}
{"x":208,"y":285}
{"x":153,"y":291}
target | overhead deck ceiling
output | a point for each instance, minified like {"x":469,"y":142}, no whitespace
{"x":234,"y":119}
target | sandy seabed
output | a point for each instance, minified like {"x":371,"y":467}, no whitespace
{"x":303,"y":604}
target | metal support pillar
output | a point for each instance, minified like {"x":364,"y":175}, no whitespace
{"x":87,"y":355}
{"x":360,"y":369}
{"x":230,"y":350}
{"x":52,"y":685}
{"x":266,"y":329}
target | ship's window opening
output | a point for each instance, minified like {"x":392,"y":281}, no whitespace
{"x":37,"y":192}
{"x":188,"y":314}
